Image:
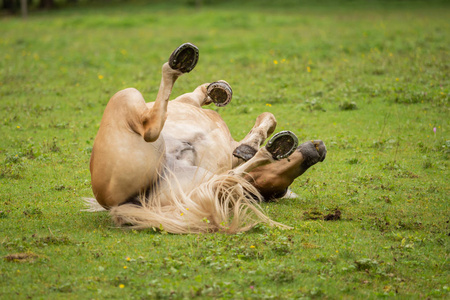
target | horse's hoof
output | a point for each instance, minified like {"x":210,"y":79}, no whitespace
{"x":184,"y":58}
{"x":244,"y":152}
{"x":282,"y":144}
{"x":220,"y":93}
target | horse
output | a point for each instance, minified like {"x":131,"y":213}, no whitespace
{"x":173,"y":165}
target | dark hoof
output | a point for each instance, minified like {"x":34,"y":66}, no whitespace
{"x":244,"y":152}
{"x":184,"y":58}
{"x":220,"y":93}
{"x":282,"y":144}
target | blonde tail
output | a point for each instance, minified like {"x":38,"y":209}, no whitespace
{"x":92,"y":205}
{"x":224,"y":203}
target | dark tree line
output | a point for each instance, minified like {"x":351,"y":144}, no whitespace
{"x":14,"y":6}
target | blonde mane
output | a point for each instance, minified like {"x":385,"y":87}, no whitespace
{"x":223,"y":203}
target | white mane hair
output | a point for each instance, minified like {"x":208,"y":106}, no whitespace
{"x":222,"y":203}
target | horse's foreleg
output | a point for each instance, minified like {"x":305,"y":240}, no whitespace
{"x":280,"y":146}
{"x":264,"y":126}
{"x":261,"y":158}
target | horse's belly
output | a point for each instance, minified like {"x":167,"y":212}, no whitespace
{"x":192,"y":137}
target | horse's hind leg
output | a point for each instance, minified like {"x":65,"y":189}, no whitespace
{"x":182,"y":60}
{"x":264,"y":126}
{"x":123,"y":162}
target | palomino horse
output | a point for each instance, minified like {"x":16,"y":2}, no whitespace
{"x":174,"y":165}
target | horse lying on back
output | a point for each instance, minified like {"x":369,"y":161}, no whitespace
{"x":174,"y":165}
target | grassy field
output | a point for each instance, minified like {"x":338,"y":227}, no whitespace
{"x":371,"y":80}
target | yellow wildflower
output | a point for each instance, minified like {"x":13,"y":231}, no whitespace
{"x":100,"y":77}
{"x":308,"y":69}
{"x":252,"y":246}
{"x":275,"y":62}
{"x":121,"y":286}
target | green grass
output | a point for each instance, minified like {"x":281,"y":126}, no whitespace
{"x":370,"y":80}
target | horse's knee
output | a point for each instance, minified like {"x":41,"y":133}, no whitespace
{"x":268,"y":119}
{"x":266,"y":115}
